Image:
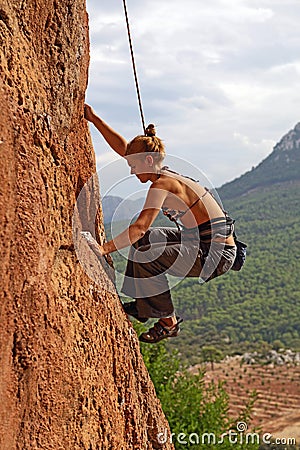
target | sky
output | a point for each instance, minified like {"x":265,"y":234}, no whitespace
{"x":220,"y":79}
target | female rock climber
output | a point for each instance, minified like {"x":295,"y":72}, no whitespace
{"x":202,"y":247}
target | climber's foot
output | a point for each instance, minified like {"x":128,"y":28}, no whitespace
{"x":160,"y":331}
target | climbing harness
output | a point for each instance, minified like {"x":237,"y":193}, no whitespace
{"x":134,"y":68}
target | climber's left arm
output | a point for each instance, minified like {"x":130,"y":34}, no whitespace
{"x":132,"y":234}
{"x":137,"y":230}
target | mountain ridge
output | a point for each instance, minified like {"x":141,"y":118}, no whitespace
{"x":281,"y":165}
{"x":119,"y":209}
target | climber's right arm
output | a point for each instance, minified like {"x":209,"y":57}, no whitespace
{"x":114,"y":139}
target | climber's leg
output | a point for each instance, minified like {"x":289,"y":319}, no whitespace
{"x":148,"y":265}
{"x":144,"y":279}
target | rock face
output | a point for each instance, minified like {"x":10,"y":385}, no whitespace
{"x":72,"y":376}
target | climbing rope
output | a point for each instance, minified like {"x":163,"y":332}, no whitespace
{"x":134,"y":68}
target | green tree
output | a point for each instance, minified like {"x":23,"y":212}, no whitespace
{"x":211,"y":354}
{"x":277,"y":345}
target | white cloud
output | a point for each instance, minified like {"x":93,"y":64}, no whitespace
{"x":259,"y":148}
{"x":106,"y":158}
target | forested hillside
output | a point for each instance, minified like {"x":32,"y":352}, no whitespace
{"x":283,"y":164}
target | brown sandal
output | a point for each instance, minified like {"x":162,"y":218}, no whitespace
{"x":159,"y":332}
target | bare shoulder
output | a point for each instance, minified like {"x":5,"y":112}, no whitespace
{"x":166,"y":183}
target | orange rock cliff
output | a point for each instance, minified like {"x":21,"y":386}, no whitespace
{"x":71,"y":376}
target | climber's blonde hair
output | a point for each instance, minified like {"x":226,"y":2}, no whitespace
{"x":148,"y":143}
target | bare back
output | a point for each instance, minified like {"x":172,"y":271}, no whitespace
{"x":190,"y":198}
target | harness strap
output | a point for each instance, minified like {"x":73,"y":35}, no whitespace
{"x":214,"y":222}
{"x":209,"y":229}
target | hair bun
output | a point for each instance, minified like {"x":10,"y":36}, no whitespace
{"x":150,"y":130}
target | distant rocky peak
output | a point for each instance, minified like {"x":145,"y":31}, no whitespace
{"x":280,"y":166}
{"x":290,"y":141}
